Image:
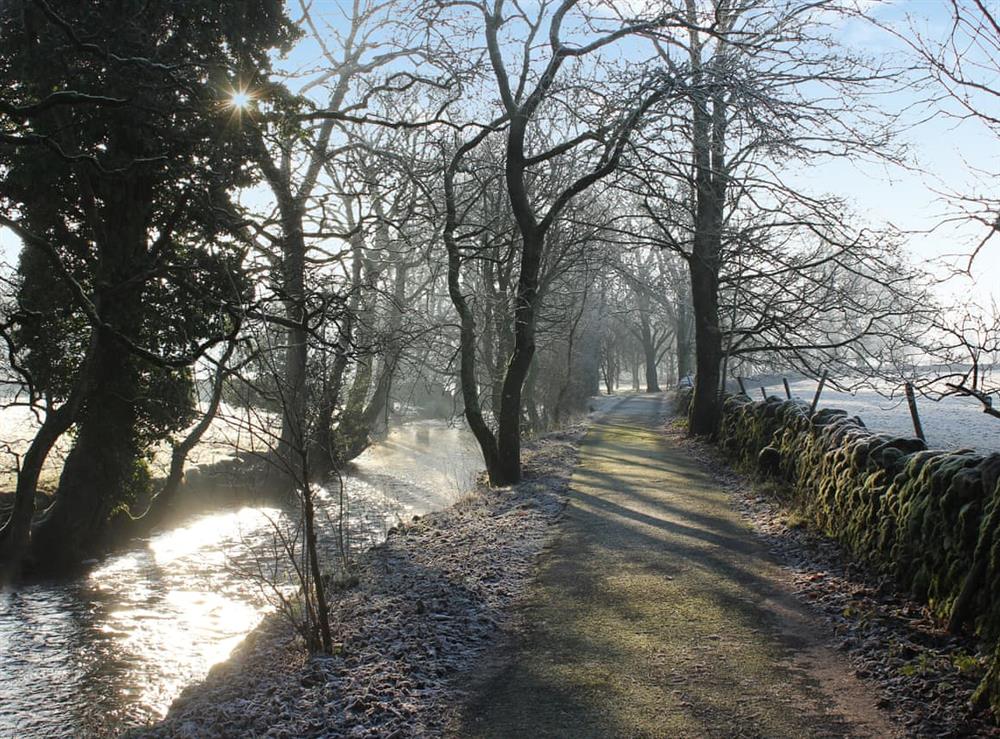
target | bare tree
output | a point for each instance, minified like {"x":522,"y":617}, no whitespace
{"x":959,"y":354}
{"x":764,"y":87}
{"x":524,"y":75}
{"x":293,"y":159}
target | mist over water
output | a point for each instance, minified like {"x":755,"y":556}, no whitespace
{"x":114,"y":647}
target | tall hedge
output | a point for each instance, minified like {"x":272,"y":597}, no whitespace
{"x":930,"y":518}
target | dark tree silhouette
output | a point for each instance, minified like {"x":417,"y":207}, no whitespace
{"x":120,"y":159}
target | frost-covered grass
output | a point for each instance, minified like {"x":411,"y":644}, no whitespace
{"x":950,"y":423}
{"x":18,"y":425}
{"x":427,"y":605}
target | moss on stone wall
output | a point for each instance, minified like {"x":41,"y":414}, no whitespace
{"x":929,"y":518}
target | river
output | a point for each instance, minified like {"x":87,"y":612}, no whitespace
{"x":113,"y":648}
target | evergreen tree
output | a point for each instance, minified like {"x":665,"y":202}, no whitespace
{"x":119,"y":152}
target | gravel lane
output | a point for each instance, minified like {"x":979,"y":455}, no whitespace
{"x":659,"y":613}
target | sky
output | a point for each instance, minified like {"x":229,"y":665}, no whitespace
{"x":940,"y":150}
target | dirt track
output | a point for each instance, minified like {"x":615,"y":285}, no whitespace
{"x":657,"y":613}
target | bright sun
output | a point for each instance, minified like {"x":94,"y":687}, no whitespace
{"x":240,"y":99}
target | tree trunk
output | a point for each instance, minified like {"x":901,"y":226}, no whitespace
{"x":467,"y":337}
{"x":683,"y":337}
{"x":705,"y":262}
{"x":648,"y":342}
{"x":508,"y":469}
{"x":609,"y":365}
{"x":496,"y":336}
{"x":570,"y":343}
{"x":319,"y":589}
{"x":292,"y":384}
{"x":323,"y":445}
{"x":376,"y":412}
{"x":706,"y":407}
{"x":708,"y":132}
{"x":365,"y":409}
{"x":649,"y":356}
{"x":652,"y":381}
{"x":98,"y":469}
{"x":374,"y":416}
{"x":351,"y":435}
{"x":321,"y":453}
{"x":15,"y":535}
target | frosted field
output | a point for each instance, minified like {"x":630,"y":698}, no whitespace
{"x":233,"y":428}
{"x":950,"y":423}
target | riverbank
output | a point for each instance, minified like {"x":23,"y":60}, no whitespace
{"x":428,"y":603}
{"x":111,"y":648}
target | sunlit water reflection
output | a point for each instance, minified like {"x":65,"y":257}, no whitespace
{"x":113,"y":649}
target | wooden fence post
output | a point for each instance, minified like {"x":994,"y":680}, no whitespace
{"x":763,"y":392}
{"x":788,"y":390}
{"x":911,"y":401}
{"x":819,"y":390}
{"x":739,"y":380}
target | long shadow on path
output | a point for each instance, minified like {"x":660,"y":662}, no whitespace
{"x":658,"y":614}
